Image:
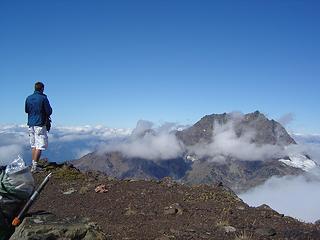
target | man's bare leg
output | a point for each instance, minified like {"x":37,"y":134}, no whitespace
{"x":33,"y":154}
{"x":36,"y":154}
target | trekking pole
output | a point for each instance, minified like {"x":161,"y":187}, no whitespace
{"x":17,"y":220}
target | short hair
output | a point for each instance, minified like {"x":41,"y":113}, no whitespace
{"x":38,"y":86}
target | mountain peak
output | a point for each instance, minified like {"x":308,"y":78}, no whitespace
{"x":265,"y":131}
{"x":240,"y":150}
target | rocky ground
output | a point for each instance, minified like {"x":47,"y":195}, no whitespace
{"x":162,"y":210}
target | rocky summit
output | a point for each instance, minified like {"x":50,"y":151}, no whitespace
{"x":76,"y":205}
{"x":265,"y":131}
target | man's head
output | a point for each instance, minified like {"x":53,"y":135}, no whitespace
{"x":39,"y":86}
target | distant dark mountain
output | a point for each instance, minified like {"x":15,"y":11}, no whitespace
{"x":237,"y":174}
{"x":117,"y":165}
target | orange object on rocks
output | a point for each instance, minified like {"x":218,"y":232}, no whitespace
{"x":101,"y":189}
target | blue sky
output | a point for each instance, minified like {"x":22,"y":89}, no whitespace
{"x":115,"y":62}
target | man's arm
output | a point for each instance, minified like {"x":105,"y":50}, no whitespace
{"x":47,"y":107}
{"x":26,"y":106}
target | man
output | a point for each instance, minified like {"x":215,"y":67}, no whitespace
{"x":38,"y":108}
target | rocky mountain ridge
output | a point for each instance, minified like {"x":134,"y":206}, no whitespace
{"x":202,"y":162}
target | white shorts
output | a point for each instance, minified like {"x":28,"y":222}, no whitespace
{"x":38,"y":137}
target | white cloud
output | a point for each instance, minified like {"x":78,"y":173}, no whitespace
{"x":9,"y":152}
{"x":227,"y":143}
{"x":149,"y":143}
{"x":296,"y":196}
{"x":65,"y":143}
{"x":13,"y":142}
{"x":306,"y":138}
{"x":81,"y":152}
{"x":309,"y":144}
{"x":286,"y":119}
{"x":142,"y":126}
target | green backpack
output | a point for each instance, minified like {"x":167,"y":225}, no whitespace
{"x":15,"y":189}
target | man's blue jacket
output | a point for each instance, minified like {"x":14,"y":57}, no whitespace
{"x":38,"y":107}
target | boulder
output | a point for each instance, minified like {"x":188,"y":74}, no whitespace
{"x":48,"y":226}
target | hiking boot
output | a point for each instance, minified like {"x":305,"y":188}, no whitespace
{"x":36,"y":169}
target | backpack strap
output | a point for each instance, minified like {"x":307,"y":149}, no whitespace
{"x":2,"y":176}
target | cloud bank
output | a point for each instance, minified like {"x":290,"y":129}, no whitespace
{"x":297,"y":197}
{"x":65,"y":143}
{"x":149,"y":143}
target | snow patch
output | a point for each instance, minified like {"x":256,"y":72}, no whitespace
{"x":299,"y":161}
